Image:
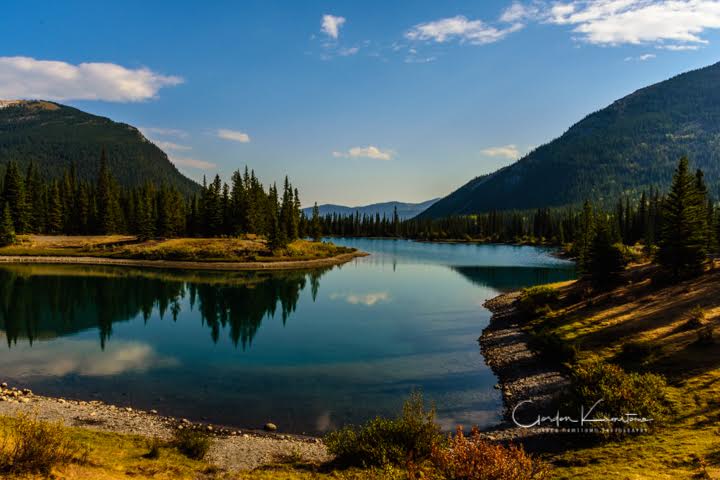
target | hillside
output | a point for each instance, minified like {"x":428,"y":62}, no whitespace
{"x":56,"y":136}
{"x":629,"y":146}
{"x":405,"y":210}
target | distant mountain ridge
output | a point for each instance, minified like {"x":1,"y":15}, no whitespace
{"x":632,"y":145}
{"x":56,"y":136}
{"x":405,"y":210}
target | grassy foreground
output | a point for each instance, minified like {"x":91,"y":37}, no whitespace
{"x":650,"y":324}
{"x":246,"y":249}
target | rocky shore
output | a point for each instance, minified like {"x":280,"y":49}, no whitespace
{"x":232,"y":449}
{"x":522,"y":374}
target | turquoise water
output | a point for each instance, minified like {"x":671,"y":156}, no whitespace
{"x":309,"y":351}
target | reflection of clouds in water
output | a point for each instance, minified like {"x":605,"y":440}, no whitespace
{"x":368,"y":299}
{"x":82,"y":357}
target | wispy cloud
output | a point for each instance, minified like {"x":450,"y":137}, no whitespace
{"x":331,"y":24}
{"x":366,"y":152}
{"x":510,"y":152}
{"x":172,"y":146}
{"x":642,"y":58}
{"x":674,"y":23}
{"x":233,"y":135}
{"x":26,"y":77}
{"x":192,"y":163}
{"x":168,"y":132}
{"x":460,"y":28}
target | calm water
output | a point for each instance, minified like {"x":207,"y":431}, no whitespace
{"x":306,"y":350}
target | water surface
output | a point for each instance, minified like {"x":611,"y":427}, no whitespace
{"x":309,"y":351}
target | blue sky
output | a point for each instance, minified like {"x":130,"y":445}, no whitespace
{"x":357,"y":101}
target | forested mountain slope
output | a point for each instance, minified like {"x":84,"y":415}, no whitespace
{"x":631,"y":145}
{"x":55,"y":136}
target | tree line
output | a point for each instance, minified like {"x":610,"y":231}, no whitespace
{"x":30,"y":203}
{"x":679,"y":228}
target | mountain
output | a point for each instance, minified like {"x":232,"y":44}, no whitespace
{"x":56,"y":136}
{"x":630,"y":146}
{"x":405,"y":210}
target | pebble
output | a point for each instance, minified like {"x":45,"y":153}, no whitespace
{"x":154,"y":412}
{"x":270,"y":427}
{"x":185,"y":421}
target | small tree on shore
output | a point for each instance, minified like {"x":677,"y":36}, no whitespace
{"x":315,"y":227}
{"x":7,"y":228}
{"x":605,"y":260}
{"x":684,"y":229}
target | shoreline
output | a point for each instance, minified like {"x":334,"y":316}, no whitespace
{"x":521,"y":373}
{"x":232,"y":449}
{"x":185,"y":264}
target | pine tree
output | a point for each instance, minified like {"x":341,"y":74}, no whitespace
{"x":14,"y":196}
{"x":683,"y":233}
{"x":315,"y":226}
{"x":7,"y":228}
{"x":108,"y":207}
{"x":55,"y":210}
{"x":585,"y":235}
{"x":605,"y":261}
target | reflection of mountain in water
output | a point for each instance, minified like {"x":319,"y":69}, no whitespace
{"x":53,"y":301}
{"x":511,"y":278}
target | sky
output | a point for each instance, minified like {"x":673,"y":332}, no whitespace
{"x":358,"y":102}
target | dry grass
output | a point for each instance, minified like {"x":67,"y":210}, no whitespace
{"x":650,"y":312}
{"x":250,"y":248}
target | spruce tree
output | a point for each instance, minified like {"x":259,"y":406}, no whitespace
{"x":55,"y":210}
{"x":315,"y":227}
{"x":14,"y":196}
{"x":605,"y":260}
{"x":683,"y":232}
{"x":585,"y":235}
{"x":7,"y":228}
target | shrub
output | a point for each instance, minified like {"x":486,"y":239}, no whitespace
{"x":621,"y":392}
{"x":696,"y":319}
{"x":191,"y":443}
{"x":637,"y":352}
{"x":551,"y":347}
{"x":29,"y":445}
{"x":408,"y":438}
{"x":705,"y":335}
{"x":154,"y":446}
{"x":537,"y":301}
{"x":473,"y":458}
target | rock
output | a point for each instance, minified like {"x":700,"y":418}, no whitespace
{"x":25,"y":400}
{"x":209,"y":428}
{"x":185,"y":421}
{"x":497,"y":386}
{"x":61,"y":400}
{"x":154,"y":412}
{"x":245,"y":435}
{"x":3,"y":384}
{"x":128,"y":409}
{"x":270,"y":427}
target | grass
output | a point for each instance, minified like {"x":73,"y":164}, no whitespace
{"x":249,"y":248}
{"x":642,"y":326}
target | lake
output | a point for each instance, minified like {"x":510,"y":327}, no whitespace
{"x":309,"y":351}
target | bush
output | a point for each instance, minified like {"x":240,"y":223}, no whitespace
{"x":621,"y":392}
{"x":191,"y":443}
{"x":637,"y":352}
{"x":553,"y":348}
{"x":408,"y":438}
{"x":695,"y":320}
{"x":473,"y":458}
{"x":29,"y":445}
{"x":537,"y":301}
{"x":705,"y":335}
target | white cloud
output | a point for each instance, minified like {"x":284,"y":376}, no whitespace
{"x":614,"y":22}
{"x":678,"y":48}
{"x":346,"y":52}
{"x":366,"y":152}
{"x":510,"y":152}
{"x":459,"y":27}
{"x":517,"y":12}
{"x":641,"y":58}
{"x":26,"y":77}
{"x":172,"y":146}
{"x":233,"y":135}
{"x":167,"y":132}
{"x":331,"y":25}
{"x":192,"y":163}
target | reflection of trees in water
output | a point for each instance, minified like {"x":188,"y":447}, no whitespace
{"x":511,"y":278}
{"x":51,"y":302}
